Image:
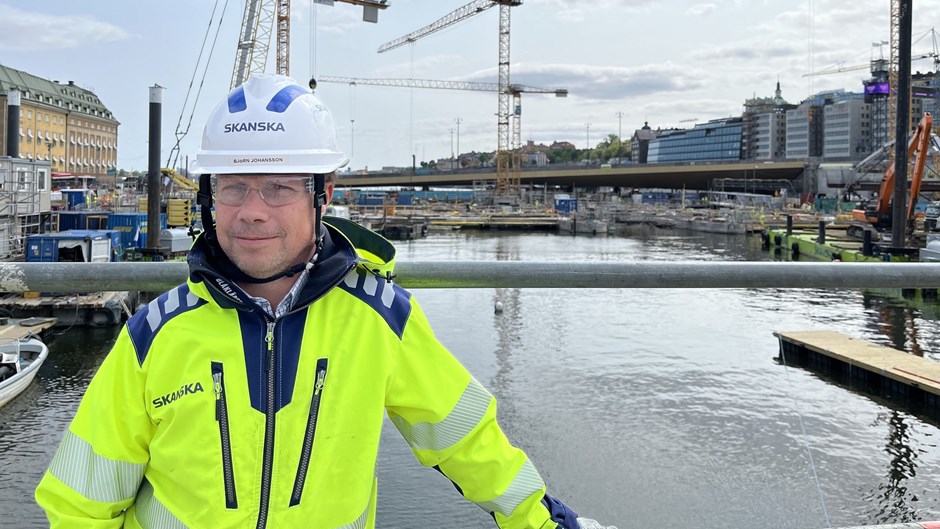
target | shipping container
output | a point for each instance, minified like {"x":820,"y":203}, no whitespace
{"x":74,"y":198}
{"x":81,"y":220}
{"x":133,"y":228}
{"x":72,"y":246}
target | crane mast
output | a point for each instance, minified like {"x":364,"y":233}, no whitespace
{"x":283,"y":37}
{"x":251,"y":55}
{"x":507,"y":163}
{"x":894,"y":49}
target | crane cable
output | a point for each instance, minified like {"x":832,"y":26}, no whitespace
{"x":180,"y":134}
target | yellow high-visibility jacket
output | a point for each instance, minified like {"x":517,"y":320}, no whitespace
{"x":208,"y":413}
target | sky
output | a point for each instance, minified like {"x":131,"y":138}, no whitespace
{"x":624,"y":62}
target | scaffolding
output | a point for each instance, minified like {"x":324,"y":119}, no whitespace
{"x":25,"y":203}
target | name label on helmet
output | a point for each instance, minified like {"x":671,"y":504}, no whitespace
{"x":254,"y":126}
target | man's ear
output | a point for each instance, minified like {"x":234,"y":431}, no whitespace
{"x":329,"y":192}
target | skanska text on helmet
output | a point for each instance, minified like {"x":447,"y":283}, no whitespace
{"x":254,"y":126}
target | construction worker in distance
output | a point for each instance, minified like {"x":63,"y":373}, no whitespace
{"x":253,"y":395}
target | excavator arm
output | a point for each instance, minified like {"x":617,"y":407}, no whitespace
{"x":917,"y":147}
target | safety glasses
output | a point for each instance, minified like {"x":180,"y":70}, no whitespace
{"x":233,"y":190}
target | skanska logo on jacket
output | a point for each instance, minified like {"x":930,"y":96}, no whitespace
{"x":254,"y":126}
{"x":170,"y":398}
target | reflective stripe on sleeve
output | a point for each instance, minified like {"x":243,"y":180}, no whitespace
{"x":95,"y":477}
{"x":526,"y":483}
{"x":467,"y":413}
{"x":359,"y":523}
{"x":151,"y":514}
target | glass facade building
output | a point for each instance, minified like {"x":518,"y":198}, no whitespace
{"x":716,"y":141}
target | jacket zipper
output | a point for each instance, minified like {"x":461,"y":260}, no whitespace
{"x":311,"y":433}
{"x":221,"y":416}
{"x":268,"y":461}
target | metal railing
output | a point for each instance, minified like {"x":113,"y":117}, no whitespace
{"x":160,"y":276}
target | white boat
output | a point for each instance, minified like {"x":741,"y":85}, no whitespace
{"x":19,"y":361}
{"x":931,"y":252}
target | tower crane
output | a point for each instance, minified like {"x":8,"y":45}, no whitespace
{"x":506,"y":171}
{"x":258,"y":21}
{"x":516,"y":90}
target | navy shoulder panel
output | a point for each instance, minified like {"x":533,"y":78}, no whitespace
{"x":144,"y":325}
{"x":391,"y":301}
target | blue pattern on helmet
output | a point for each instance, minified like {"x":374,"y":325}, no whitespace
{"x":236,"y":100}
{"x":285,"y":97}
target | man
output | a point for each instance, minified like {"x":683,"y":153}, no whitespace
{"x":253,"y":395}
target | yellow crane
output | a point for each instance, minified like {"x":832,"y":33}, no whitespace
{"x":507,"y":178}
{"x":516,"y":90}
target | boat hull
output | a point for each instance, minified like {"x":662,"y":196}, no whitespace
{"x":13,"y":386}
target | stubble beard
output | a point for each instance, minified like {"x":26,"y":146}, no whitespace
{"x":260,"y":266}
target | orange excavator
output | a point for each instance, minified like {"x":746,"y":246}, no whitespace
{"x":877,"y":212}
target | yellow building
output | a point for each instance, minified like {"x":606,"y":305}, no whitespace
{"x":62,"y":123}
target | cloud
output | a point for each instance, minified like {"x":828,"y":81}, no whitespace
{"x":753,"y":50}
{"x":569,"y":11}
{"x":337,"y":20}
{"x":33,"y":31}
{"x":700,"y":9}
{"x":601,"y":82}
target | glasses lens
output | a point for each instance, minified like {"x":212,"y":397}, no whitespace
{"x":234,"y":191}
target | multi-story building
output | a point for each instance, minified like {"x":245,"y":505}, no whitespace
{"x":765,"y":127}
{"x":804,"y":130}
{"x":62,"y":123}
{"x":924,"y":88}
{"x":847,"y":129}
{"x":714,"y":141}
{"x":640,"y":143}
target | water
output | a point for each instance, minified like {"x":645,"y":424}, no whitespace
{"x":640,"y":407}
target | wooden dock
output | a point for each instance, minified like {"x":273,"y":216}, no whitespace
{"x":94,"y":309}
{"x":17,"y":329}
{"x":891,"y":373}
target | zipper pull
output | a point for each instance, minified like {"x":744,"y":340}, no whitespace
{"x":269,"y":340}
{"x":270,"y":336}
{"x":321,"y":378}
{"x":217,"y":383}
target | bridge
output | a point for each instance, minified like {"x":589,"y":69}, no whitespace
{"x":694,"y":176}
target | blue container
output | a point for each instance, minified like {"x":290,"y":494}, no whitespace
{"x":117,"y":246}
{"x":74,"y":197}
{"x":70,"y":246}
{"x":71,"y":220}
{"x":566,"y":205}
{"x":133,"y":228}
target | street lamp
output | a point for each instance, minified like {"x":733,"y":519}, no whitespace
{"x":458,"y":121}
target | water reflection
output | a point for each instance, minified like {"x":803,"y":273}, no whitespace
{"x":892,"y":499}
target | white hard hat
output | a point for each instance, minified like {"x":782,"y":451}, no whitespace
{"x":270,"y":124}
